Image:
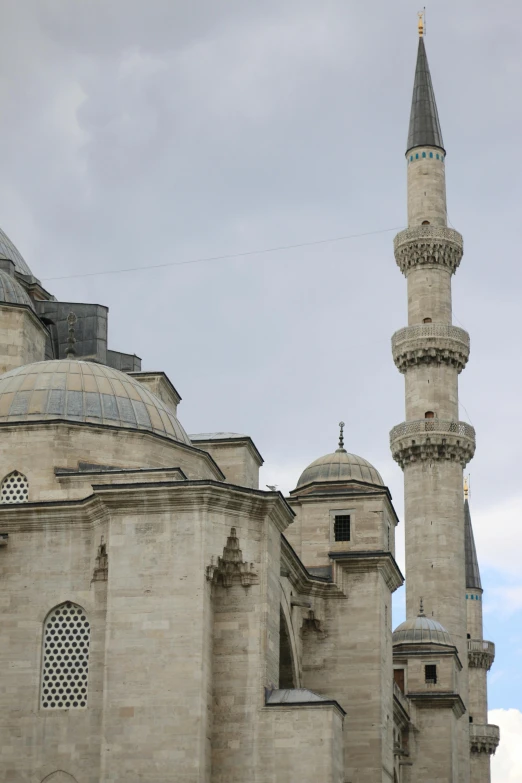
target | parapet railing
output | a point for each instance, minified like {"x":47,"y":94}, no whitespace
{"x":477,"y":645}
{"x":401,"y":698}
{"x":418,"y":233}
{"x":420,"y":331}
{"x":440,"y":426}
{"x":480,"y":731}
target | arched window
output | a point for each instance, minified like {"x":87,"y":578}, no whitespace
{"x":426,"y":320}
{"x":429,"y":415}
{"x":15,"y":488}
{"x":425,"y":222}
{"x":65,"y":658}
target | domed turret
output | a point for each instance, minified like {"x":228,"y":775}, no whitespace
{"x":84,"y":392}
{"x":339,"y":466}
{"x":421,"y":630}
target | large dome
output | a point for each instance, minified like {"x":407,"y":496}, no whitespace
{"x":421,"y":630}
{"x":87,"y":392}
{"x":12,"y":292}
{"x":11,"y":253}
{"x":340,"y":466}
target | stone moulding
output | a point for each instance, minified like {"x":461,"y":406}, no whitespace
{"x":430,"y":344}
{"x":480,"y":654}
{"x":428,"y":245}
{"x":432,"y":439}
{"x":483,"y":738}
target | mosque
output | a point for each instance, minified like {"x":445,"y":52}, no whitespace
{"x":165,"y":620}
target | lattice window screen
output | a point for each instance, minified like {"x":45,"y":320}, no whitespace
{"x":65,"y":663}
{"x":15,"y":488}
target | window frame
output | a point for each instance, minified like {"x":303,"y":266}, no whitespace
{"x":342,"y":512}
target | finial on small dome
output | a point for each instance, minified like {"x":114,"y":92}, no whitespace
{"x":466,"y":487}
{"x":341,"y":437}
{"x":421,"y":608}
{"x":70,"y":351}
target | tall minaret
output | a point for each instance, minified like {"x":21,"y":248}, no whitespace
{"x":484,"y":738}
{"x":432,"y":445}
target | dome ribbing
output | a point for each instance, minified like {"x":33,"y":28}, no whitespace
{"x":84,"y":392}
{"x":11,"y":253}
{"x":340,"y":466}
{"x":11,"y":292}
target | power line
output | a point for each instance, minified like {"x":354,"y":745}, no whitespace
{"x":224,"y":257}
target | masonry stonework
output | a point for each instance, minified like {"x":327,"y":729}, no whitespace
{"x":164,"y":619}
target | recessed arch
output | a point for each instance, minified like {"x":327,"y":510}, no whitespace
{"x":287,"y":673}
{"x":59,"y":777}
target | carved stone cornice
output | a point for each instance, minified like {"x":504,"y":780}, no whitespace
{"x":52,"y":515}
{"x":197,"y":494}
{"x":428,"y":246}
{"x":430,"y":344}
{"x":362,"y":562}
{"x":481,"y":654}
{"x":439,"y":700}
{"x":300,"y":579}
{"x":432,"y":439}
{"x":483,"y":738}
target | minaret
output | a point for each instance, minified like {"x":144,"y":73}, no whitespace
{"x":484,"y":738}
{"x":432,"y":445}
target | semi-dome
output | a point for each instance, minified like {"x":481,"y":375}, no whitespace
{"x":421,"y":630}
{"x":12,"y":292}
{"x":79,"y":391}
{"x":11,"y":253}
{"x":340,"y":466}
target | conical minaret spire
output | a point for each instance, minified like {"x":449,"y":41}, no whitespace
{"x":472,"y":566}
{"x":424,"y":118}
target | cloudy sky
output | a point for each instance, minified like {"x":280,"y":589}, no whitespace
{"x":142,"y":133}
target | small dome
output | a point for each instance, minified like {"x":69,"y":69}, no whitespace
{"x":421,"y":630}
{"x":340,"y":466}
{"x":12,"y":292}
{"x":10,"y":252}
{"x":78,"y":391}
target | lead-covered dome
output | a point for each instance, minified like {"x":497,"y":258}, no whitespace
{"x":11,"y":253}
{"x":340,"y":466}
{"x":421,"y":630}
{"x":12,"y":292}
{"x":87,"y":392}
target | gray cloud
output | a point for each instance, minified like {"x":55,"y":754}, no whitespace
{"x":137,"y":133}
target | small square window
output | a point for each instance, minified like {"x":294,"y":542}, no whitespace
{"x":342,"y":527}
{"x":430,"y":674}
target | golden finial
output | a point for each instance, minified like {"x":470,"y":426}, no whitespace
{"x":466,"y":487}
{"x":422,"y":21}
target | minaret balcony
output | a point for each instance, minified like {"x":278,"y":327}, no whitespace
{"x":481,"y":654}
{"x":428,"y":245}
{"x":483,"y":738}
{"x":430,"y":344}
{"x":432,"y":439}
